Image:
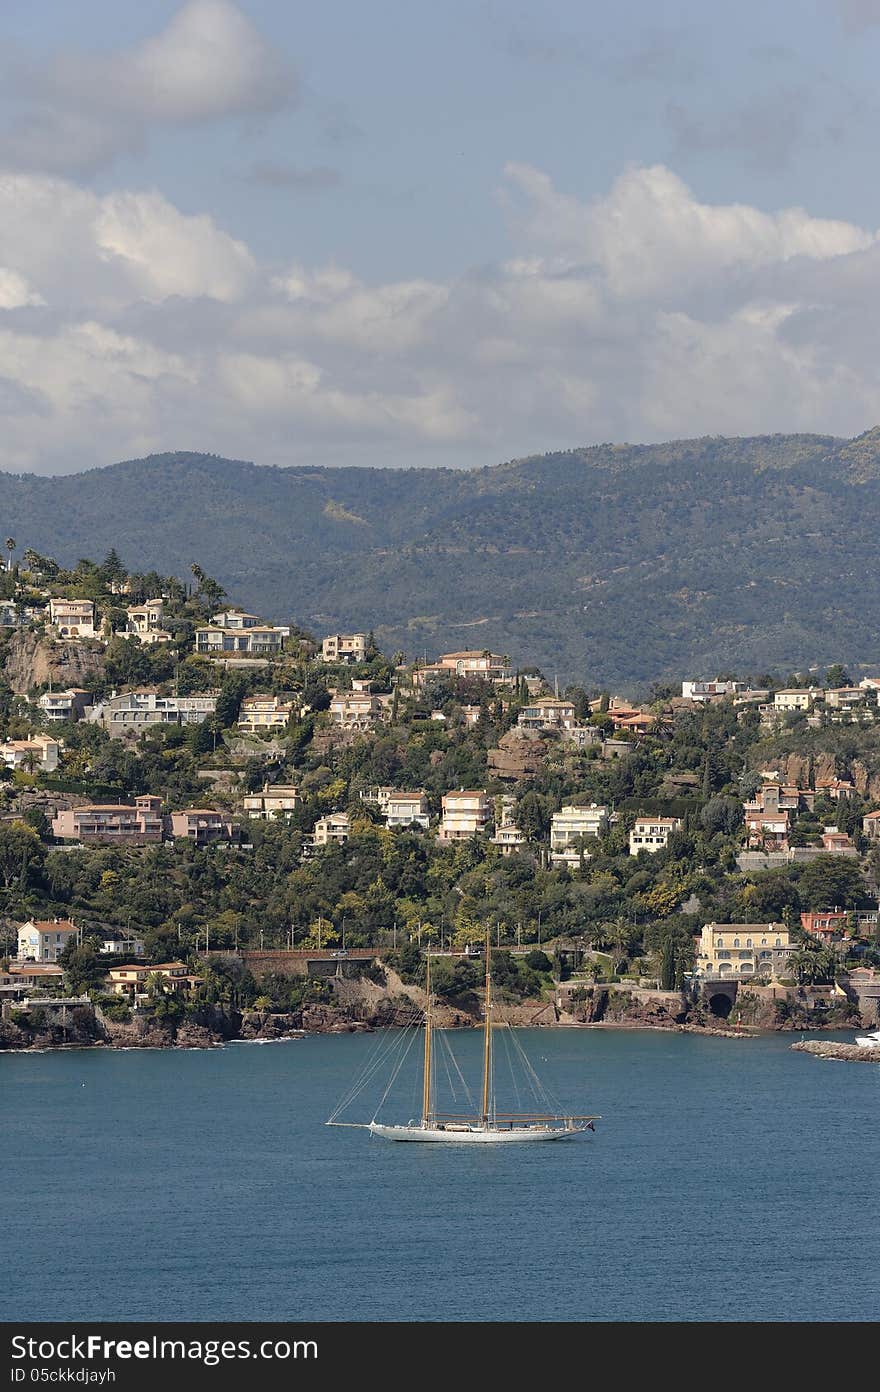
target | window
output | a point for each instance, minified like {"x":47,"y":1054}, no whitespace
{"x":736,"y":942}
{"x":778,"y":942}
{"x":748,"y":942}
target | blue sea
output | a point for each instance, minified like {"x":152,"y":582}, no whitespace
{"x":727,"y":1180}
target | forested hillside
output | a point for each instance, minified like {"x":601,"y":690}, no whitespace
{"x":616,"y":564}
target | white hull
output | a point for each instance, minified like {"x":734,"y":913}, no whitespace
{"x":474,"y":1135}
{"x":869,"y":1041}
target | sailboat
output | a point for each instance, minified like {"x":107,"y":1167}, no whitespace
{"x":483,"y":1126}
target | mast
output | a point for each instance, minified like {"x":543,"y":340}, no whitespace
{"x":487,"y":1040}
{"x":426,"y":1083}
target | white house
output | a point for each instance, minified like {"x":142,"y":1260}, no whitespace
{"x":333,"y":829}
{"x":465,"y":814}
{"x":567,"y":828}
{"x":273,"y":800}
{"x":652,"y":833}
{"x":58,"y":706}
{"x":344,"y":647}
{"x":406,"y":809}
{"x":41,"y":752}
{"x":44,"y":940}
{"x":144,"y":622}
{"x":73,"y":618}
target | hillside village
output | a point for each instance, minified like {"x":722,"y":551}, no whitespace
{"x":205,"y":811}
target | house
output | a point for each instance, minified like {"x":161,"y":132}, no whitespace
{"x":637,"y":722}
{"x":344,"y":647}
{"x":847,"y":698}
{"x":144,"y":622}
{"x":569,"y":826}
{"x":795,"y":699}
{"x":112,"y":823}
{"x":355,"y":710}
{"x":274,"y":800}
{"x":582,"y":736}
{"x":488,"y":666}
{"x":465,"y":814}
{"x":120,"y":945}
{"x":509,"y":838}
{"x":13,"y":615}
{"x":835,"y":788}
{"x":710,"y":690}
{"x":132,"y":979}
{"x":73,"y":618}
{"x":44,"y":941}
{"x":759,"y":950}
{"x":767,"y":831}
{"x":233,"y":631}
{"x":547,"y":713}
{"x":652,"y":833}
{"x":837,"y":842}
{"x":136,"y":709}
{"x":871,"y":826}
{"x":64,"y":705}
{"x":202,"y":825}
{"x":406,"y":809}
{"x":827,"y":925}
{"x":265,"y":713}
{"x":42,"y":976}
{"x":334,"y":829}
{"x":41,"y":752}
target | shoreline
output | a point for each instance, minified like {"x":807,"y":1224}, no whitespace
{"x":631,"y":1026}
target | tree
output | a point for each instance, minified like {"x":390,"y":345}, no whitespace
{"x":830,"y":880}
{"x":667,"y":965}
{"x":21,"y":852}
{"x":229,"y":700}
{"x":83,"y":969}
{"x":837,"y":676}
{"x":721,"y":814}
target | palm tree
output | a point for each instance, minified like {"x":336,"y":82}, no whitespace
{"x":10,"y":547}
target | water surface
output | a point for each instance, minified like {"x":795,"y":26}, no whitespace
{"x":727,"y":1180}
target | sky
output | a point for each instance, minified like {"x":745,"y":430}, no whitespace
{"x":411,"y":234}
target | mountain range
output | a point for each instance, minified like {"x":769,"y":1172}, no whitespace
{"x":610,"y":565}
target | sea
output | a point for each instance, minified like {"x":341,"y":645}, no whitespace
{"x":727,"y":1180}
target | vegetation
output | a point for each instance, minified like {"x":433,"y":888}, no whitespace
{"x":636,"y":562}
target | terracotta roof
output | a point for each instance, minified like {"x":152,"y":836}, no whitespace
{"x":62,"y":925}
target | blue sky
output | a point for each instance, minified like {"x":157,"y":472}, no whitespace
{"x":417,"y":234}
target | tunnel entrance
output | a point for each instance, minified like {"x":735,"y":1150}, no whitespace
{"x":720,"y":1005}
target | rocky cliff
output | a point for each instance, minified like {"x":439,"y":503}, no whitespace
{"x":34,"y":660}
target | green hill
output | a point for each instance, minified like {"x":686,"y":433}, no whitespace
{"x":616,"y":564}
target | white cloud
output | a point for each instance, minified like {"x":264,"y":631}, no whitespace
{"x":649,"y":235}
{"x":15,"y":293}
{"x":91,"y":253}
{"x":82,"y":109}
{"x":127,"y":326}
{"x":167,"y":253}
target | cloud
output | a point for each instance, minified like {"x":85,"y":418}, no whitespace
{"x":15,"y":293}
{"x":127,"y":326}
{"x":82,"y":253}
{"x":80,"y":110}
